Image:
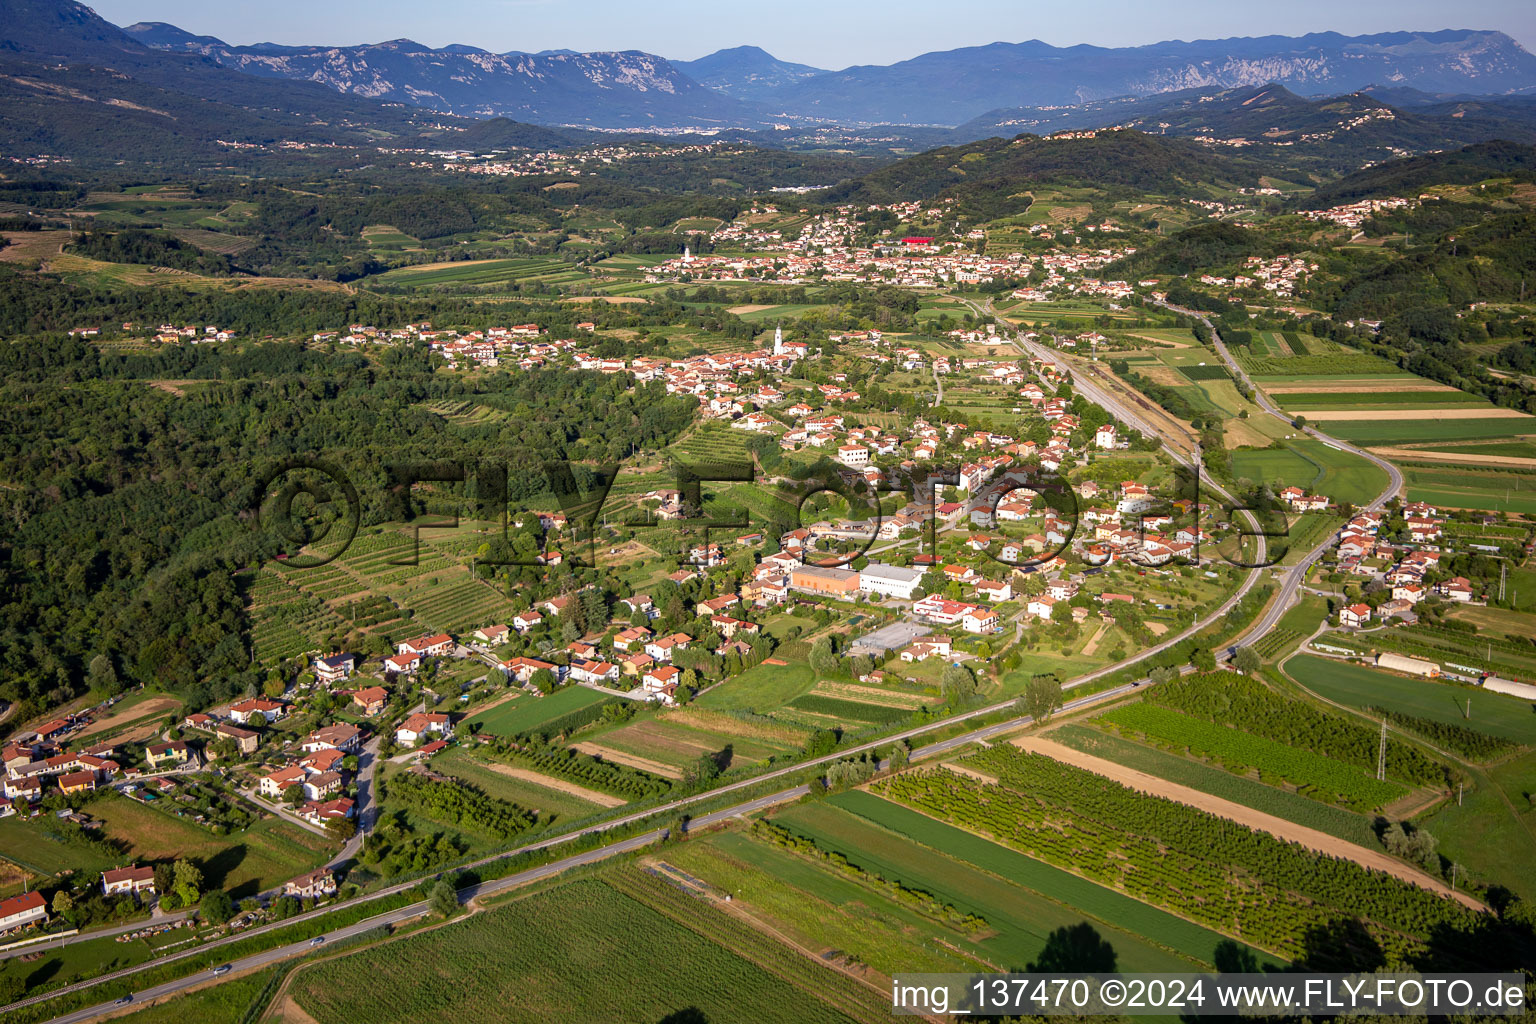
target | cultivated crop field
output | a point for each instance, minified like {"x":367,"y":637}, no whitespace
{"x":1276,"y":763}
{"x":553,"y":802}
{"x":1174,"y":856}
{"x":680,"y":746}
{"x":1467,"y":487}
{"x":1022,"y":899}
{"x":1217,"y":781}
{"x":1378,"y":429}
{"x":1361,"y":687}
{"x":1264,"y":369}
{"x":486,"y":970}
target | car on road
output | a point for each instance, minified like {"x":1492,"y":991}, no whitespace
{"x":221,"y":970}
{"x":317,"y":940}
{"x":126,"y":999}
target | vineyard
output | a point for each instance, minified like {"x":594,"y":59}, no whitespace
{"x":1315,"y":365}
{"x":585,"y":770}
{"x":1248,"y":705}
{"x":1212,"y":371}
{"x":1275,"y":641}
{"x":1313,"y":775}
{"x":495,"y":968}
{"x":1215,"y":872}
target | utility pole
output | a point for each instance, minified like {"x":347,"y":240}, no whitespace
{"x":1469,"y":709}
{"x":1461,"y":788}
{"x":1381,"y":754}
{"x":1503,"y":566}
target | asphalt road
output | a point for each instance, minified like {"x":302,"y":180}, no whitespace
{"x":498,"y":885}
{"x":1292,"y":579}
{"x":1290,"y":585}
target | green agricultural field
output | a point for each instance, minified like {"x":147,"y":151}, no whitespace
{"x":824,"y":909}
{"x":45,"y":847}
{"x":267,"y":854}
{"x":1019,"y":915}
{"x":1360,"y":687}
{"x":1466,"y":487}
{"x":229,"y":1002}
{"x":762,"y":688}
{"x":1394,"y":432}
{"x":1306,"y":615}
{"x":552,"y":803}
{"x":773,"y":314}
{"x":1337,"y":365}
{"x":471,"y":272}
{"x":1514,"y":449}
{"x":1282,"y":463}
{"x":1492,"y":831}
{"x":889,"y":824}
{"x":525,"y":713}
{"x":1312,"y":774}
{"x":1336,"y":821}
{"x":497,"y":967}
{"x":1312,"y":466}
{"x":1309,"y":401}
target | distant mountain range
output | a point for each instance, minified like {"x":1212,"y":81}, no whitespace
{"x":951,"y":86}
{"x":747,"y":87}
{"x":626,"y":89}
{"x":69,"y":80}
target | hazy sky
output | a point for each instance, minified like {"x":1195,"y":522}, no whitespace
{"x":833,"y":34}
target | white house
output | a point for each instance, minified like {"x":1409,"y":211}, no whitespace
{"x":1355,"y":615}
{"x":419,"y":726}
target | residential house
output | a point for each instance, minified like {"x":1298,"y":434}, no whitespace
{"x":20,"y":911}
{"x":175,"y":752}
{"x":418,"y":726}
{"x":402,"y":664}
{"x":492,"y":635}
{"x":343,"y":737}
{"x":317,"y":884}
{"x":1355,"y":615}
{"x":273,"y":784}
{"x":371,"y":700}
{"x":333,"y":668}
{"x":321,"y":785}
{"x":134,"y":880}
{"x":77,"y":782}
{"x":434,"y":646}
{"x":245,"y":740}
{"x":253,"y":708}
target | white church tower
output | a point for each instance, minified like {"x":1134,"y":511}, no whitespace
{"x":687,"y":255}
{"x":778,"y":341}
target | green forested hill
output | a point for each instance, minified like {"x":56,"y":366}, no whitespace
{"x":988,"y":175}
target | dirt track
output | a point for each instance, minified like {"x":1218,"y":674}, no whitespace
{"x":1311,"y":838}
{"x":645,"y":764}
{"x":1460,"y":459}
{"x":560,"y":785}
